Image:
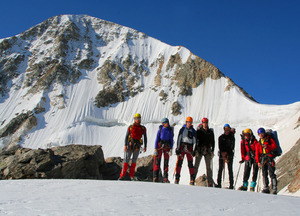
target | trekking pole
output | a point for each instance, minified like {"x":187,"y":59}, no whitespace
{"x":176,"y":166}
{"x":258,"y":182}
{"x":223,"y":171}
{"x":237,"y":176}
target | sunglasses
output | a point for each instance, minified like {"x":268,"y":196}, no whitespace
{"x":138,"y":118}
{"x":205,"y":122}
{"x":165,"y":122}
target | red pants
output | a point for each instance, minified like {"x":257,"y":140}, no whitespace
{"x":157,"y":160}
{"x":185,"y":150}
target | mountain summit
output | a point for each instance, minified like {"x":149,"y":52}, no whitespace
{"x":76,"y":78}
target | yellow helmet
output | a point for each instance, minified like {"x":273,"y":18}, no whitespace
{"x":137,"y":115}
{"x":247,"y":131}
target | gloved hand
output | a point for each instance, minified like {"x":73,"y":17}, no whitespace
{"x":125,"y":148}
{"x":259,"y":165}
{"x":170,"y":152}
{"x":212,"y":155}
{"x":241,"y":162}
{"x":145,"y":149}
{"x":177,"y":151}
{"x":155,"y":152}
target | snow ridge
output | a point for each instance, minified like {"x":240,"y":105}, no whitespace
{"x":62,"y":68}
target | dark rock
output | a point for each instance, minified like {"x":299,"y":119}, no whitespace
{"x":108,"y":96}
{"x":288,"y":169}
{"x":176,"y":108}
{"x":17,"y":122}
{"x":64,"y":162}
{"x":163,"y":95}
{"x":9,"y":70}
{"x":67,"y":162}
{"x":86,"y":64}
{"x":112,"y":168}
{"x":144,"y":169}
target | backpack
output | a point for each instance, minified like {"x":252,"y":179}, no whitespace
{"x":273,"y":134}
{"x":252,"y":138}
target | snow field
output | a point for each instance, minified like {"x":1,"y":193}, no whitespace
{"x":92,"y":197}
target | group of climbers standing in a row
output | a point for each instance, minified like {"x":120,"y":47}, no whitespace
{"x":200,"y":144}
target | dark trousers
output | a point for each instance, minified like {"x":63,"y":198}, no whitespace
{"x":221,"y":168}
{"x":247,"y":170}
{"x":269,"y":167}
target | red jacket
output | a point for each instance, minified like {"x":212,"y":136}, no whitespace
{"x":270,"y":146}
{"x":136,"y":131}
{"x":245,"y":149}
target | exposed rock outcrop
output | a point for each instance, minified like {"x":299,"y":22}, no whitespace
{"x":190,"y":74}
{"x":288,"y":169}
{"x":144,"y":168}
{"x":176,"y":108}
{"x":65,"y":162}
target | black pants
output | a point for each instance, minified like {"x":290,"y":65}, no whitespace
{"x":247,"y":170}
{"x":269,"y":167}
{"x":221,"y":168}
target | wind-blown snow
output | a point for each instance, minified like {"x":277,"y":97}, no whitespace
{"x":91,"y":197}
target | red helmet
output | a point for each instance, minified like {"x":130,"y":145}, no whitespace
{"x":205,"y":120}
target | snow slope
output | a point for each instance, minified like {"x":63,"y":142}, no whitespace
{"x":90,"y":197}
{"x":71,"y":116}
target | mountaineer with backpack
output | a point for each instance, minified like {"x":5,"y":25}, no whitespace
{"x":205,"y":147}
{"x":185,"y":144}
{"x":163,"y":145}
{"x":226,"y":153}
{"x":248,"y":149}
{"x":133,"y":143}
{"x":265,"y":158}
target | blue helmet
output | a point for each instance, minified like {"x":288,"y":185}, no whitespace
{"x":226,"y":125}
{"x":165,"y":120}
{"x":261,"y":130}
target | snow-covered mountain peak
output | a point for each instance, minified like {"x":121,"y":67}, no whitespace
{"x":76,"y":79}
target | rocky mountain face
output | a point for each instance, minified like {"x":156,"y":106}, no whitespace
{"x":42,"y":61}
{"x":79,"y":79}
{"x":289,"y":169}
{"x":61,"y":48}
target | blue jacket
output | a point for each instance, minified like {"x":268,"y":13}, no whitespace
{"x":165,"y":134}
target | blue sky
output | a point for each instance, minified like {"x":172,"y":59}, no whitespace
{"x":256,"y":43}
